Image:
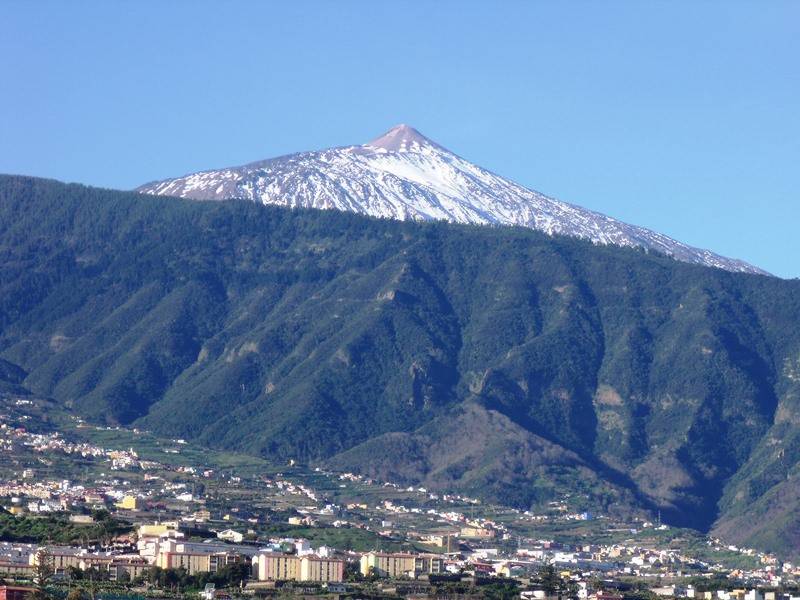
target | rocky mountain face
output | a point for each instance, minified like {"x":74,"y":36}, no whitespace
{"x":502,"y":362}
{"x":404,"y":175}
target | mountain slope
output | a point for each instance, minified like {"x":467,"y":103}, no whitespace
{"x":403,"y":175}
{"x":390,"y":346}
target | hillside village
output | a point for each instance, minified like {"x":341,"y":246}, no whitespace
{"x":122,"y":518}
{"x":261,"y":338}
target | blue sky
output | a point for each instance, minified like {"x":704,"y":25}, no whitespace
{"x":680,"y":116}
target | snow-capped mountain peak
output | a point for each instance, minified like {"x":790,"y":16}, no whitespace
{"x":401,"y":138}
{"x":404,"y":175}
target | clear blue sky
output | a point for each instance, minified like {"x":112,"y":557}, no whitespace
{"x":680,"y":116}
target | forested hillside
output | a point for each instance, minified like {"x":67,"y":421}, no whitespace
{"x":495,"y":360}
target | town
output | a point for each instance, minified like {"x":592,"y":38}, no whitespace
{"x":99,"y":510}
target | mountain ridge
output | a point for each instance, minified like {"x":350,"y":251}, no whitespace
{"x":405,"y":175}
{"x":630,"y":380}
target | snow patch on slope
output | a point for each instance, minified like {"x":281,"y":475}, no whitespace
{"x":404,"y":175}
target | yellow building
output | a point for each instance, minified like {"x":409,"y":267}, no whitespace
{"x":400,"y":564}
{"x":316,"y":568}
{"x":129,"y":503}
{"x":16,"y":569}
{"x":195,"y":563}
{"x":118,"y":569}
{"x":387,"y":565}
{"x":274,"y":566}
{"x":477,"y":532}
{"x":59,"y":560}
{"x":156,"y":529}
{"x":95,"y":562}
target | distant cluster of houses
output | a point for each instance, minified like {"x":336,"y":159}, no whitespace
{"x":163,"y":545}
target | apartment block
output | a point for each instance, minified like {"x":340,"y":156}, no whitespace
{"x":274,"y":566}
{"x":196,"y":562}
{"x":398,"y":564}
{"x":326,"y":570}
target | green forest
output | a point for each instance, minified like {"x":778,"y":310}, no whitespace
{"x":500,"y":361}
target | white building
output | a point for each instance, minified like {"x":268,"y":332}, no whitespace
{"x":229,"y":535}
